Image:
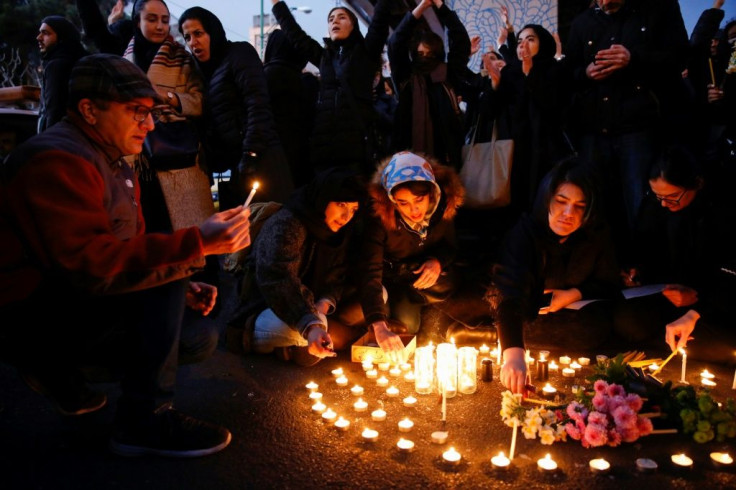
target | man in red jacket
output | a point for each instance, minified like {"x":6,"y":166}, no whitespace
{"x":79,"y":270}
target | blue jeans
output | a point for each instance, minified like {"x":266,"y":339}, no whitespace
{"x":622,"y":163}
{"x":271,"y":332}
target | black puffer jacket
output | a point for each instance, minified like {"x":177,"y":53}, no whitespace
{"x":339,"y":137}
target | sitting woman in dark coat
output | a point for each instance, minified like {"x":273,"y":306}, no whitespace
{"x":299,"y":263}
{"x":560,"y":249}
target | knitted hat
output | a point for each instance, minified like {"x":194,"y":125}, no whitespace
{"x":65,"y":30}
{"x":406,"y":166}
{"x":109,"y":77}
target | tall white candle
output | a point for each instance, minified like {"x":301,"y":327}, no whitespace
{"x":498,"y":350}
{"x":513,"y":439}
{"x":733,"y":386}
{"x":444,"y":403}
{"x":684,"y":364}
{"x":252,"y":193}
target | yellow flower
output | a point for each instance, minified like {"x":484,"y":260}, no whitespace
{"x":547,"y":435}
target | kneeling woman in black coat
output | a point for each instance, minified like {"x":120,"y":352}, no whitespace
{"x":559,"y":250}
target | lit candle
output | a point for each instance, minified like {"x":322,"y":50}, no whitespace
{"x":552,"y":366}
{"x":439,"y":437}
{"x":342,"y":424}
{"x":584,"y":361}
{"x":409,"y":401}
{"x":384,"y":366}
{"x":733,"y":385}
{"x":549,"y":391}
{"x":252,"y":193}
{"x":601,"y":359}
{"x":444,"y":404}
{"x":498,"y":352}
{"x":319,"y":407}
{"x":646,"y":465}
{"x":707,"y":382}
{"x":342,"y":381}
{"x":513,"y":439}
{"x":378,"y":415}
{"x":329,"y":415}
{"x":565,"y":360}
{"x":576,"y":366}
{"x":684,"y":365}
{"x":382,"y":381}
{"x":405,"y":425}
{"x":405,"y":445}
{"x":409,"y":376}
{"x":357,"y":390}
{"x":546,"y":464}
{"x":312,"y":386}
{"x":451,"y":456}
{"x":682,"y":461}
{"x":361,"y":405}
{"x":371,"y":374}
{"x":367,"y":365}
{"x":721,"y":459}
{"x":370,"y":435}
{"x":484,"y":349}
{"x":406,"y":367}
{"x":653,"y":367}
{"x":599,"y":466}
{"x":568,"y":372}
{"x":337,"y":372}
{"x":315,"y":395}
{"x":707,"y":374}
{"x":395,"y":372}
{"x":500,"y":462}
{"x":543,"y":355}
{"x":392,"y":391}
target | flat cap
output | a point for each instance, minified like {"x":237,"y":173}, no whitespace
{"x":109,"y":77}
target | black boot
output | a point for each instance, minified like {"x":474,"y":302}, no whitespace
{"x":472,"y":336}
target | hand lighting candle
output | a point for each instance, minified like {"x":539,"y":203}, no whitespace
{"x":252,"y":193}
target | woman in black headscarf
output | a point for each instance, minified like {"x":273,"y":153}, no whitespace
{"x":238,"y":123}
{"x":299,"y":262}
{"x":529,"y":106}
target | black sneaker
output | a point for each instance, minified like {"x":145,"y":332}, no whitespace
{"x":67,"y":391}
{"x":170,"y":433}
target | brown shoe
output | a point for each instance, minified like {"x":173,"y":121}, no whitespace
{"x":238,"y":339}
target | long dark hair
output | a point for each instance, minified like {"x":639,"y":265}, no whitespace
{"x":678,"y":166}
{"x":569,"y":171}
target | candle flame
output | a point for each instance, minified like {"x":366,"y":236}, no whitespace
{"x":256,"y":185}
{"x":682,"y":351}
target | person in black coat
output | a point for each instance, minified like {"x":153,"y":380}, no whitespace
{"x":560,"y":250}
{"x":240,"y":134}
{"x":59,"y":42}
{"x":347,"y":63}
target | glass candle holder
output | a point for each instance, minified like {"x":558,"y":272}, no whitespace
{"x":467,"y":369}
{"x":423,"y":370}
{"x":447,"y":369}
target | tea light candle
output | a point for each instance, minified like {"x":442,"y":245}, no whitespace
{"x":584,"y":361}
{"x":601,"y":359}
{"x":568,"y":372}
{"x":423,"y":388}
{"x":405,"y":425}
{"x":543,"y":355}
{"x":405,"y":366}
{"x":599,"y":466}
{"x":549,"y":391}
{"x":409,"y":376}
{"x":451,"y":456}
{"x":682,"y":461}
{"x":705,"y":374}
{"x":707,"y":382}
{"x":367,"y":366}
{"x":341,"y":381}
{"x":653,"y":367}
{"x":439,"y":437}
{"x":721,"y":459}
{"x":378,"y":415}
{"x":392,"y":391}
{"x":357,"y":390}
{"x":329,"y":415}
{"x":312,"y":386}
{"x":565,"y":360}
{"x":370,"y":435}
{"x":576,"y":366}
{"x":319,"y":407}
{"x":409,"y":401}
{"x":384,"y":366}
{"x":382,"y":381}
{"x":500,"y":462}
{"x":646,"y":465}
{"x":371,"y":374}
{"x":342,"y":424}
{"x":361,"y":405}
{"x":484,"y":349}
{"x":546,"y":464}
{"x":405,"y":445}
{"x":337,"y":372}
{"x":552,"y":366}
{"x":315,"y":395}
{"x":395,"y":372}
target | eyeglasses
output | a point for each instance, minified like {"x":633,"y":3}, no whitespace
{"x":141,"y":112}
{"x":669,"y":200}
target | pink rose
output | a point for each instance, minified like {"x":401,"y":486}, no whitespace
{"x":624,"y":417}
{"x":600,"y":386}
{"x":634,"y":401}
{"x":595,"y":435}
{"x":644,"y":426}
{"x":600,"y":402}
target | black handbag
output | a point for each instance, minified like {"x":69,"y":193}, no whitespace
{"x":447,"y":283}
{"x":171,"y":145}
